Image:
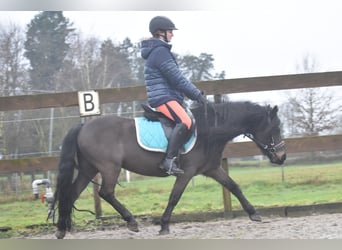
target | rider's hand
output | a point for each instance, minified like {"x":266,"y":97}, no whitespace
{"x":201,"y":99}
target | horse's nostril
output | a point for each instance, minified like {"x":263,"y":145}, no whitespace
{"x":284,"y":157}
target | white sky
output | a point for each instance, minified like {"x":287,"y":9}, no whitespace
{"x":256,"y":39}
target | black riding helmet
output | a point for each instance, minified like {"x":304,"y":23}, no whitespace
{"x":161,"y":23}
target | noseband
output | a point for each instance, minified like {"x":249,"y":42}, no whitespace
{"x":271,"y":147}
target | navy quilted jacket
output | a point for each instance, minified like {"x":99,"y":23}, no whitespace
{"x":164,"y":80}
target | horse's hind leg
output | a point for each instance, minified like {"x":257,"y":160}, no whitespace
{"x":107,"y":193}
{"x":78,"y":186}
{"x":221,"y":176}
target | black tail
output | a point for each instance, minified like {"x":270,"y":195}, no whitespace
{"x":64,"y":193}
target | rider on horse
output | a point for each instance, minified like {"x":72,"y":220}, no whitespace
{"x":166,"y":87}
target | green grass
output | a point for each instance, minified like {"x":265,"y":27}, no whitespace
{"x":261,"y":185}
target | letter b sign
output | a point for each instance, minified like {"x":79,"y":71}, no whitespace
{"x":89,"y":103}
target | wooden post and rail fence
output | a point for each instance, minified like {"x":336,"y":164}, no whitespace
{"x":240,"y":85}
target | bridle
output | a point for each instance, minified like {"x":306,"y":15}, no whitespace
{"x":271,"y":147}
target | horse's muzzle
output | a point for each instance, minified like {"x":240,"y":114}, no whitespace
{"x":278,"y":157}
{"x":277,"y":153}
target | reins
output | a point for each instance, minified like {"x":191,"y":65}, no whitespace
{"x":212,"y":105}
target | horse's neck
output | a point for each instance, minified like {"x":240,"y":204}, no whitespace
{"x":251,"y":117}
{"x":240,"y":119}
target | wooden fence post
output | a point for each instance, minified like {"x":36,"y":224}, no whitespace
{"x":97,"y":200}
{"x":89,"y":106}
{"x":227,"y":202}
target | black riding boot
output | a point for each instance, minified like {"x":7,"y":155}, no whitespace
{"x":177,"y":139}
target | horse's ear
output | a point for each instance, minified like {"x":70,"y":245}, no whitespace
{"x":273,"y":112}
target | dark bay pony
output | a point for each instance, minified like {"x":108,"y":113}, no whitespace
{"x":107,"y":144}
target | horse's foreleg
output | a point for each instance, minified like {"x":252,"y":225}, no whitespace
{"x":176,"y":193}
{"x":221,"y":177}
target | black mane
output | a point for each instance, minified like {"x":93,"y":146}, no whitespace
{"x":235,"y":117}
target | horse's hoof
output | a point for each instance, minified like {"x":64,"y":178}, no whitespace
{"x":255,"y":217}
{"x":164,"y":231}
{"x":60,"y":234}
{"x":133,"y":226}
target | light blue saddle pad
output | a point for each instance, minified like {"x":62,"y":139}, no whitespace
{"x":151,"y":136}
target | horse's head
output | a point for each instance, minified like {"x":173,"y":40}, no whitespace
{"x":267,"y":136}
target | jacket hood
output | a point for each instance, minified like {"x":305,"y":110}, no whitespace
{"x":147,"y":46}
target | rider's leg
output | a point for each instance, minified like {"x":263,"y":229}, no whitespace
{"x":178,"y":137}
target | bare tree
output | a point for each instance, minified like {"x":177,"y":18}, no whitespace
{"x":12,"y":61}
{"x":311,"y":111}
{"x":114,"y":65}
{"x":13,"y":78}
{"x":80,"y":71}
{"x":308,"y":64}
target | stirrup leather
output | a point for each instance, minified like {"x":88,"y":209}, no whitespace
{"x":172,"y":169}
{"x":170,"y":172}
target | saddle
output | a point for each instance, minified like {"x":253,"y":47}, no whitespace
{"x":155,"y":116}
{"x":154,"y":130}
